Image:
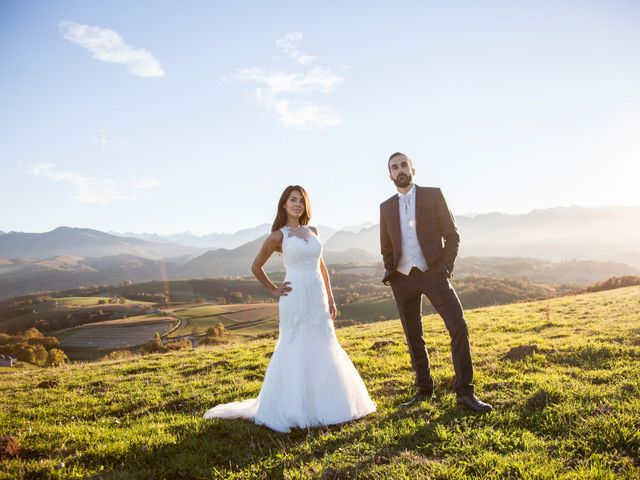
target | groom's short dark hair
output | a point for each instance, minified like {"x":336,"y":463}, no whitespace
{"x":394,"y":155}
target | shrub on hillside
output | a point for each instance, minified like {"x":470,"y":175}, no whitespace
{"x":217,"y":330}
{"x":178,"y":345}
{"x":212,"y":341}
{"x":118,"y":355}
{"x":56,"y":357}
{"x":614,"y":282}
{"x":155,"y":345}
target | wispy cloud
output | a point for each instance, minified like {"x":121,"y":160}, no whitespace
{"x":289,"y":45}
{"x":301,"y":114}
{"x":108,"y":46}
{"x":288,"y":93}
{"x":319,"y":79}
{"x":104,"y":191}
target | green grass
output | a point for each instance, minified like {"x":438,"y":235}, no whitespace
{"x":568,"y":410}
{"x":19,"y":367}
{"x":369,"y":309}
{"x":200,"y":318}
{"x":264,"y":326}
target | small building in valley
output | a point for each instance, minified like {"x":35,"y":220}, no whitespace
{"x":8,"y":360}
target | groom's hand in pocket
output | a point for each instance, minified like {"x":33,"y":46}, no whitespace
{"x":282,"y":290}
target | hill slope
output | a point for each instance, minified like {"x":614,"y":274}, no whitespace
{"x":563,"y":375}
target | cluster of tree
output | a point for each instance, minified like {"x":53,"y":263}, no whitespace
{"x":476,"y":291}
{"x":238,"y":297}
{"x":614,"y":282}
{"x":213,"y":335}
{"x":67,"y":318}
{"x":73,"y":319}
{"x":21,"y":305}
{"x":352,"y":287}
{"x":218,"y":288}
{"x":118,"y":355}
{"x":157,"y":298}
{"x":156,"y":346}
{"x":112,"y":300}
{"x":33,"y":347}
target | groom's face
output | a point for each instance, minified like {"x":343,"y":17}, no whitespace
{"x":401,"y":171}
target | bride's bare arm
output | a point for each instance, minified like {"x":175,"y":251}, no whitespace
{"x":273,"y":241}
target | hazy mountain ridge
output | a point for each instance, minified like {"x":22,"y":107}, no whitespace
{"x":542,"y":271}
{"x":557,"y":234}
{"x":562,"y":233}
{"x":217,"y":240}
{"x":22,"y":276}
{"x":606,"y":240}
{"x":84,"y":242}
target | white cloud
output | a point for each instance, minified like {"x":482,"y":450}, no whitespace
{"x":306,"y":114}
{"x":281,"y":91}
{"x":105,"y":191}
{"x":318,"y":79}
{"x":289,"y":45}
{"x":108,"y":46}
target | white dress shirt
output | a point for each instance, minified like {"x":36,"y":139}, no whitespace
{"x":410,"y":252}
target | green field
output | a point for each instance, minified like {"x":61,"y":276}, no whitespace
{"x":265,"y":326}
{"x":89,"y":301}
{"x":199,"y":318}
{"x":369,"y":309}
{"x":562,"y":375}
{"x":62,"y":306}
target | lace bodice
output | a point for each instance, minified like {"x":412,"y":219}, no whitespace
{"x":301,"y":249}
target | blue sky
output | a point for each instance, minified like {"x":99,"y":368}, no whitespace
{"x":162,"y":116}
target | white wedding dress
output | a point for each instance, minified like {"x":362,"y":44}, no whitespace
{"x":310,"y":380}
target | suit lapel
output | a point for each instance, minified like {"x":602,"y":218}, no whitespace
{"x":419,"y":204}
{"x":393,"y":215}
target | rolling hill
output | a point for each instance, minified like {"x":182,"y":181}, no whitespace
{"x":562,"y":375}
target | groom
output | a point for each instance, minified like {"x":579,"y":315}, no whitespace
{"x":419,"y":244}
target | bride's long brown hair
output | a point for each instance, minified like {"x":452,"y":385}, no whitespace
{"x":281,"y":217}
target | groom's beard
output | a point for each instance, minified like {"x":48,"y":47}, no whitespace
{"x":403,"y":180}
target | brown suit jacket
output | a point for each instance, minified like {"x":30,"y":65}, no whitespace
{"x":435,"y":228}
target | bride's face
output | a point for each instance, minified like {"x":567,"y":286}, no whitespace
{"x":294,"y":206}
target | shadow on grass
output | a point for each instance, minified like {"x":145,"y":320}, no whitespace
{"x":219,"y":447}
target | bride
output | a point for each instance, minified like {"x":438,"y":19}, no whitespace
{"x":310,"y":380}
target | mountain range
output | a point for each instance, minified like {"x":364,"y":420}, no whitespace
{"x":556,"y":234}
{"x":70,"y":257}
{"x":223,"y":240}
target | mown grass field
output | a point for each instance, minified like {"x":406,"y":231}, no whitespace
{"x":199,"y":318}
{"x":369,"y":309}
{"x":563,"y":376}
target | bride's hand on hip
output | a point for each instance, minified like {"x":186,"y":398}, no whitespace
{"x":333,"y":311}
{"x":282,"y":290}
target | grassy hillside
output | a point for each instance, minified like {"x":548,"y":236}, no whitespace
{"x":563,"y":375}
